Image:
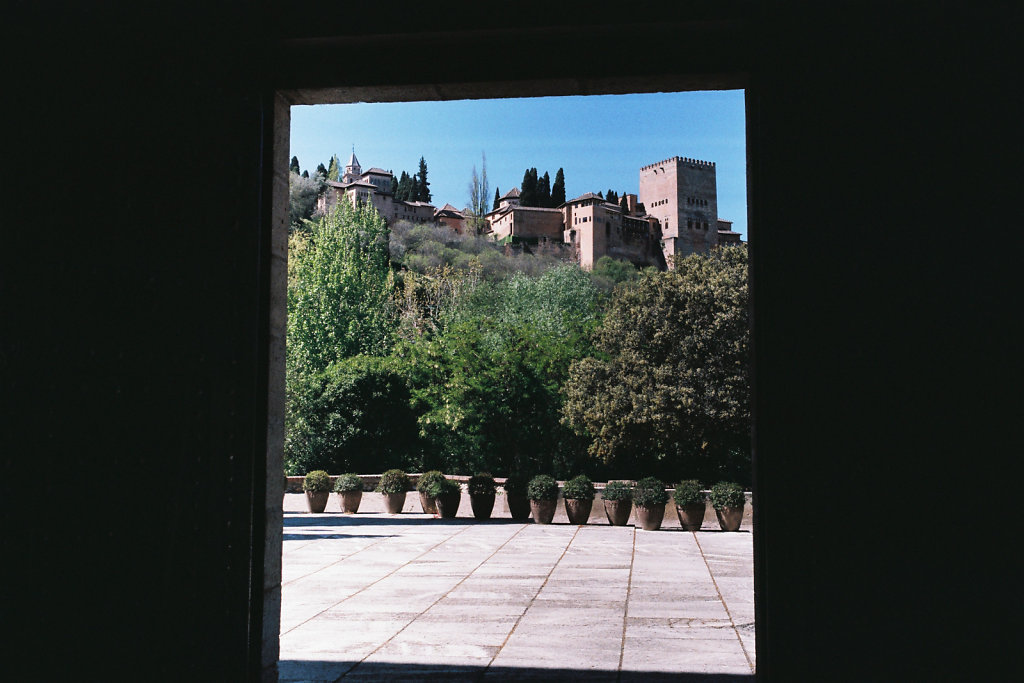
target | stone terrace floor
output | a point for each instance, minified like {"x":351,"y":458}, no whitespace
{"x":374,"y":596}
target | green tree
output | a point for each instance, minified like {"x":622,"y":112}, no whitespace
{"x":334,"y":169}
{"x":497,"y":198}
{"x":404,"y":191}
{"x":355,"y":416}
{"x":668,"y":392}
{"x":394,"y":187}
{"x":478,"y":192}
{"x":528,"y":192}
{"x":624,"y":204}
{"x":340,"y":291}
{"x":305,"y":174}
{"x":423,"y":193}
{"x":321,"y":171}
{"x":544,"y":190}
{"x":303,"y":193}
{"x":558,"y":189}
{"x":608,"y":272}
{"x":293,"y":167}
{"x":486,"y":383}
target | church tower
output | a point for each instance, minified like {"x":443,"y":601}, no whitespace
{"x":352,"y":169}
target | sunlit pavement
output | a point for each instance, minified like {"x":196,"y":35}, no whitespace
{"x":374,"y":596}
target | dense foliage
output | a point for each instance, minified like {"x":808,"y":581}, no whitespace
{"x":426,"y":479}
{"x":348,"y":482}
{"x":340,"y":291}
{"x":667,"y":390}
{"x":482,"y":484}
{"x":316,"y":481}
{"x":353,"y":416}
{"x":617,"y":490}
{"x":649,"y":491}
{"x":688,"y":492}
{"x":578,"y":488}
{"x":415,"y":347}
{"x":393,"y":481}
{"x":727,"y":494}
{"x":516,"y":485}
{"x":443,"y":487}
{"x":542,"y":487}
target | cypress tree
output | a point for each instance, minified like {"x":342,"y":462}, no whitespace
{"x":404,"y":188}
{"x":414,"y":189}
{"x":558,"y":189}
{"x":321,"y":171}
{"x":294,"y":165}
{"x":544,"y":191}
{"x":305,"y":174}
{"x":600,"y":195}
{"x":394,"y":186}
{"x":497,"y":196}
{"x":334,"y":170}
{"x":624,"y":205}
{"x":423,"y":191}
{"x":528,"y":192}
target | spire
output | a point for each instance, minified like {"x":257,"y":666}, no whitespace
{"x":353,"y":162}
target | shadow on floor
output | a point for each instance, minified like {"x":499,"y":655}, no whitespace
{"x":380,"y":518}
{"x":294,"y":671}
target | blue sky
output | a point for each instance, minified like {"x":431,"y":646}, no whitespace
{"x":600,"y":141}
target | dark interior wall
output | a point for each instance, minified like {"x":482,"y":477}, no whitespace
{"x":135,"y":283}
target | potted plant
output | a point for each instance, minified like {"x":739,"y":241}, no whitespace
{"x":578,"y":494}
{"x":424,"y":482}
{"x":447,"y":494}
{"x":728,"y":500}
{"x":690,"y":504}
{"x":618,"y":502}
{"x":349,"y":488}
{"x":481,"y":494}
{"x":543,"y":494}
{"x":650,"y":496}
{"x":516,"y":496}
{"x":392,"y":486}
{"x":317,"y":486}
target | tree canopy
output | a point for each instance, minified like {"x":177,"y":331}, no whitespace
{"x":668,"y":389}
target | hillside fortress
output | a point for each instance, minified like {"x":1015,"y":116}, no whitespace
{"x":675,"y":214}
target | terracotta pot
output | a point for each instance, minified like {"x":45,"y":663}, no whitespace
{"x":350,"y":501}
{"x":428,"y":504}
{"x":691,"y":516}
{"x":543,"y":511}
{"x":650,"y":518}
{"x":518,"y":507}
{"x":617,"y":511}
{"x":578,"y":511}
{"x":448,"y":504}
{"x":730,"y":518}
{"x":483,"y":505}
{"x":393,"y":502}
{"x":317,"y":500}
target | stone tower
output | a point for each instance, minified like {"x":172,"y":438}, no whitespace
{"x":352,"y":170}
{"x":682,"y":194}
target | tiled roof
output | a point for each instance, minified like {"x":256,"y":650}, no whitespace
{"x":582,"y":197}
{"x":511,"y":194}
{"x":378,"y":171}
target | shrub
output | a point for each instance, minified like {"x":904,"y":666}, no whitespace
{"x":482,"y":484}
{"x":727,"y":494}
{"x":393,"y":481}
{"x":347,"y":483}
{"x":516,"y":485}
{"x":542,"y":487}
{"x":688,"y":493}
{"x":649,"y":491}
{"x":617,"y":490}
{"x":443,"y":487}
{"x":426,"y":479}
{"x":317,"y":481}
{"x":579,"y":488}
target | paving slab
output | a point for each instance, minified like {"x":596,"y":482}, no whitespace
{"x":374,"y":596}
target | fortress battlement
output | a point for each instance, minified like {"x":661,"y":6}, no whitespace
{"x":676,"y":159}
